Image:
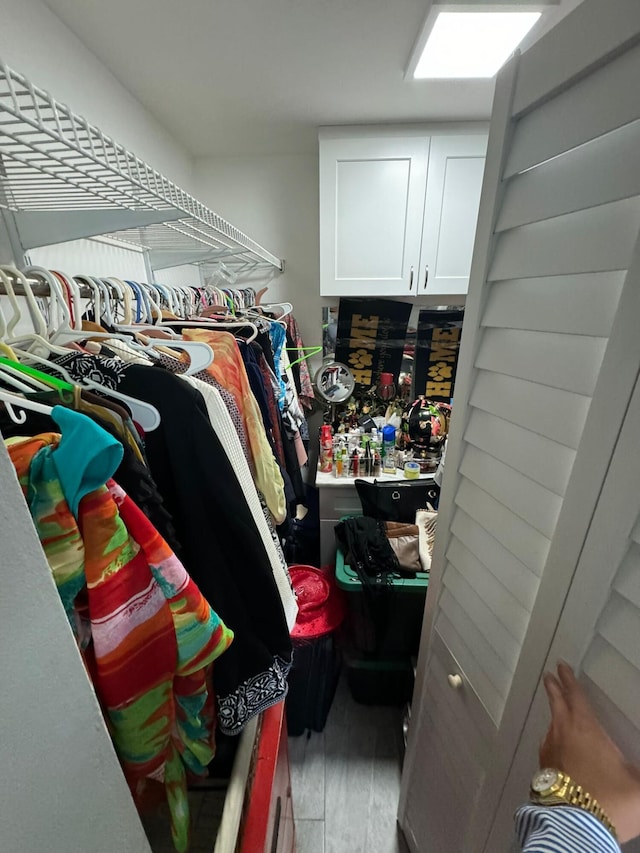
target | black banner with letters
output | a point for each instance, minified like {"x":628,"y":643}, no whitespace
{"x":437,"y":348}
{"x":371,"y":338}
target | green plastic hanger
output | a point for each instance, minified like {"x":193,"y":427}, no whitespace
{"x":51,"y":381}
{"x":312,"y":351}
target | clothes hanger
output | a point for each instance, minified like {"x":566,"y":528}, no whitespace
{"x":20,"y":379}
{"x":12,"y":367}
{"x":31,"y":372}
{"x":125,"y":294}
{"x":252,"y":312}
{"x":200,"y":353}
{"x":115,"y":296}
{"x":87,"y":281}
{"x":10,"y":379}
{"x":10,"y":400}
{"x":7,"y":275}
{"x":50,"y":364}
{"x":76,"y":300}
{"x":34,"y":339}
{"x":7,"y":351}
{"x":309,"y":353}
{"x":286,"y":307}
{"x":166,"y":294}
{"x":144,"y":413}
{"x":214,"y":326}
{"x":107,"y":313}
{"x":58,"y":304}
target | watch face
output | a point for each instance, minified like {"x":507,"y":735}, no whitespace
{"x":543,"y":780}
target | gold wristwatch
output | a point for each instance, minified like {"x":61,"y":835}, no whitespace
{"x":552,"y":788}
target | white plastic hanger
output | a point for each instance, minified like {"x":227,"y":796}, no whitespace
{"x":214,"y":326}
{"x":20,"y":380}
{"x":10,"y":400}
{"x":87,"y":281}
{"x":144,"y":413}
{"x":32,"y":340}
{"x":252,"y":312}
{"x":286,"y":307}
{"x":124,"y":292}
{"x":8,"y":274}
{"x":10,"y":379}
{"x":30,"y":357}
{"x":200,"y":353}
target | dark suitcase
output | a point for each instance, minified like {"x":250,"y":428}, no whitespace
{"x":312,"y":683}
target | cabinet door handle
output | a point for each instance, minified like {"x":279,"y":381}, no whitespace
{"x":426,"y":276}
{"x":411,"y":279}
{"x":455,"y":681}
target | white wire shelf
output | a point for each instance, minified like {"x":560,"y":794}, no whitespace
{"x":63,"y":179}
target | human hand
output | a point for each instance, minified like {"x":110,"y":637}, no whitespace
{"x":577,"y":745}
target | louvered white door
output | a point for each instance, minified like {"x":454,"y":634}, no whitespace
{"x":599,"y":629}
{"x":540,"y":375}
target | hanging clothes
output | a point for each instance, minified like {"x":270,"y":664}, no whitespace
{"x":179,"y":367}
{"x":222,"y":547}
{"x":223,"y":427}
{"x":301,"y":371}
{"x":146,"y":633}
{"x":228,"y":369}
{"x":132,"y":473}
{"x":286,"y":431}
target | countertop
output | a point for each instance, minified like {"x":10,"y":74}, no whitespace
{"x":323,"y":479}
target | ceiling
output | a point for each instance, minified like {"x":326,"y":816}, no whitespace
{"x":229,"y":77}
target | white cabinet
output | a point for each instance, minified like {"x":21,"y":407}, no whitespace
{"x":398,"y":211}
{"x":454,"y":183}
{"x":371,"y":202}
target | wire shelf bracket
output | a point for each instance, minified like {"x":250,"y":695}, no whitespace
{"x":64,"y":179}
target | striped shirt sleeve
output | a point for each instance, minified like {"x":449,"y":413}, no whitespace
{"x":562,"y":829}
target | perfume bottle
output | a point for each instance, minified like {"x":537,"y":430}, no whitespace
{"x":386,"y":389}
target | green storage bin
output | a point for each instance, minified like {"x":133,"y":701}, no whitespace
{"x":379,"y":681}
{"x":386,"y":626}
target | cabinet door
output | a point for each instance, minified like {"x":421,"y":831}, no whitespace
{"x":371,"y":203}
{"x":454,"y":183}
{"x":451,"y":751}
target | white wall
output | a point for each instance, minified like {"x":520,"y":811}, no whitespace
{"x":36,"y":43}
{"x":91,"y":257}
{"x":274,"y":199}
{"x":61,"y":787}
{"x":186,"y":275}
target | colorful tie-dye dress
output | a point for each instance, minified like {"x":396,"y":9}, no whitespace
{"x":147,"y":635}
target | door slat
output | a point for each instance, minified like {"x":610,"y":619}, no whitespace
{"x":568,"y":362}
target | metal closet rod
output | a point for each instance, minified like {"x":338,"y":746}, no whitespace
{"x":41,"y":289}
{"x":38,"y":288}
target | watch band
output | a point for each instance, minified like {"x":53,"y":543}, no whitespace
{"x":567,"y":792}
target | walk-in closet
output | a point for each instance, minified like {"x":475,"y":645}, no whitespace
{"x":318,"y":426}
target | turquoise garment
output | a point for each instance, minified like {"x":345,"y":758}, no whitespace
{"x":278,"y":337}
{"x":86,"y":457}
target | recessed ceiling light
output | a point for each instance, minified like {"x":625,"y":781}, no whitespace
{"x":469,"y":41}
